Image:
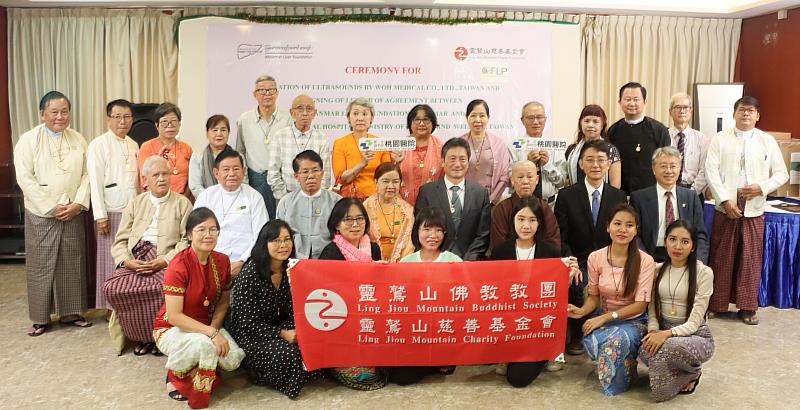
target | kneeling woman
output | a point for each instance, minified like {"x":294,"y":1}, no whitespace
{"x":620,"y":281}
{"x":348,"y":226}
{"x":525,"y":245}
{"x":188,"y":328}
{"x":262,"y":319}
{"x":678,"y":341}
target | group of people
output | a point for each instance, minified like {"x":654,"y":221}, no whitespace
{"x":193,"y":248}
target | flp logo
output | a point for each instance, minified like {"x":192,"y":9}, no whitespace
{"x":325,"y":310}
{"x":460,"y":53}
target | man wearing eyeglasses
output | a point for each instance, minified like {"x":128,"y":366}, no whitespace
{"x":111,"y":162}
{"x":239,"y":209}
{"x":743,"y":165}
{"x":255,"y":133}
{"x":691,"y":143}
{"x":308,"y":208}
{"x":534,"y":118}
{"x":292,"y":140}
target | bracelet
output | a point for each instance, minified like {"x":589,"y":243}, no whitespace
{"x":213,"y":335}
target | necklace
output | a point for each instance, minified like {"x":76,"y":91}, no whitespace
{"x":127,"y":152}
{"x":269,"y":124}
{"x":421,"y":163}
{"x":478,"y":152}
{"x":207,"y":284}
{"x":394,"y":222}
{"x":616,"y":285}
{"x":52,"y":147}
{"x":171,"y":158}
{"x":296,"y":142}
{"x":530,"y":252}
{"x":226,"y":211}
{"x":672,"y":292}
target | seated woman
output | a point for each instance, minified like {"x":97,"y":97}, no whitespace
{"x":678,"y":341}
{"x":148,"y":238}
{"x":261,"y":318}
{"x":348,"y":225}
{"x":390,"y":217}
{"x":526,"y":245}
{"x":620,"y":281}
{"x":188,"y":328}
{"x":201,"y":164}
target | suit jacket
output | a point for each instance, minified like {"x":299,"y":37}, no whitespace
{"x":472,"y":237}
{"x":332,"y":252}
{"x":579,"y":237}
{"x":645,"y":201}
{"x":507,"y":251}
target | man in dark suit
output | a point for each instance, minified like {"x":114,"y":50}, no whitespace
{"x":583,"y":211}
{"x":661,"y":204}
{"x":466,"y":204}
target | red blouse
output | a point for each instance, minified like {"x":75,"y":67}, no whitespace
{"x":186,"y":277}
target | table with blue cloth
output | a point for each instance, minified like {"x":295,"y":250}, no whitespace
{"x":780,"y":268}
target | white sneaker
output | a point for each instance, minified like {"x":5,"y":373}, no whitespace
{"x":554,"y":366}
{"x":501,"y":368}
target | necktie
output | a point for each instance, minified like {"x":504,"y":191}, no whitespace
{"x":455,"y":205}
{"x":681,"y":147}
{"x":595,"y":205}
{"x":669,"y":211}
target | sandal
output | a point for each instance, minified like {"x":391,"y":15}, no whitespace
{"x":79,"y":321}
{"x":156,"y":352}
{"x":694,"y":386}
{"x":142,"y":349}
{"x":37,"y":330}
{"x":748,"y":317}
{"x":175,"y":394}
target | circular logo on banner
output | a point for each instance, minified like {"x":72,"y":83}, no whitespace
{"x":461,"y":53}
{"x":325,"y":310}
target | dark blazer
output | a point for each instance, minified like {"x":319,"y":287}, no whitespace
{"x":579,"y":237}
{"x":332,"y":252}
{"x":507,"y":251}
{"x":472,"y":237}
{"x":690,"y":208}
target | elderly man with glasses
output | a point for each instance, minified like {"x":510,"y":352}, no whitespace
{"x":691,"y":144}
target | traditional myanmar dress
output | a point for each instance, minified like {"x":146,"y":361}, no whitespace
{"x":258,"y":313}
{"x":419,"y":167}
{"x":192,"y":359}
{"x":390,"y":226}
{"x":489,"y":165}
{"x":178,"y":156}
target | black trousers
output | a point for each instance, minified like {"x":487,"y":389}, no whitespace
{"x":524,"y":373}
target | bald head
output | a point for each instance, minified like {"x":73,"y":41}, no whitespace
{"x":524,"y":177}
{"x":303,"y":112}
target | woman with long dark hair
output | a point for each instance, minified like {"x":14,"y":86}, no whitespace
{"x":620,"y":282}
{"x":678,"y":341}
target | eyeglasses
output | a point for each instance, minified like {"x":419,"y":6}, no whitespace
{"x":532,"y":118}
{"x":169,"y":123}
{"x":593,"y":161}
{"x":750,"y":111}
{"x":120,"y":118}
{"x":303,"y":108}
{"x":278,"y":241}
{"x":681,"y":108}
{"x":354,"y":221}
{"x":266,"y":91}
{"x":305,"y":173}
{"x":203,"y":231}
{"x":422,"y":121}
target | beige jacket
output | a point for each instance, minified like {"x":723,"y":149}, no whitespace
{"x":137,"y":217}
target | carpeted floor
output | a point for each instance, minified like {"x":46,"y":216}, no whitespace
{"x":755,"y":367}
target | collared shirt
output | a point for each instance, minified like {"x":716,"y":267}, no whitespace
{"x":745,"y":137}
{"x":241,"y":215}
{"x":461,"y":192}
{"x":151,"y":233}
{"x":253,"y":136}
{"x":661,"y":194}
{"x":286,"y":143}
{"x":694,"y":157}
{"x":634,"y":122}
{"x":590,"y":189}
{"x":308,"y":216}
{"x":113,"y":173}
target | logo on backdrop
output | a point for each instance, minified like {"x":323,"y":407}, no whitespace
{"x":325,"y":310}
{"x":246,"y":50}
{"x":480,"y":53}
{"x":460,"y":53}
{"x":279,"y":51}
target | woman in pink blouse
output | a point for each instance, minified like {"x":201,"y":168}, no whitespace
{"x":620,"y":281}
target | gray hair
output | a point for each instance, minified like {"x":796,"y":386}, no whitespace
{"x":362,"y":101}
{"x":265,"y":77}
{"x":679,"y":96}
{"x":668,"y":151}
{"x":148,"y":163}
{"x":529,"y":103}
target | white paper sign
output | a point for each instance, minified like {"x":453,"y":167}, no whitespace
{"x":387,"y":144}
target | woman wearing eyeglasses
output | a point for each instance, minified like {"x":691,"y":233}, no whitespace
{"x":348,"y":226}
{"x":166,"y":144}
{"x":188,"y":328}
{"x":424,"y":164}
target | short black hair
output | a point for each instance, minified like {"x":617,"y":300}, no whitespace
{"x":307,"y":155}
{"x":433,"y":217}
{"x":339,"y":211}
{"x":164,"y":109}
{"x":454,"y":143}
{"x":598,"y":145}
{"x":474,"y":103}
{"x":118,"y":103}
{"x":428,"y":112}
{"x":50,"y":96}
{"x":260,"y":256}
{"x":532,"y":203}
{"x":633,"y":84}
{"x":747,"y":100}
{"x":198,"y":216}
{"x":225,"y":154}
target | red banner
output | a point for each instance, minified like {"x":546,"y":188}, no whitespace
{"x":429,"y":314}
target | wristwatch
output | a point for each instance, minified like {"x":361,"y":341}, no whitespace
{"x":614,"y":315}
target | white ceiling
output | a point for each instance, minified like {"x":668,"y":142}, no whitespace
{"x":701,"y":8}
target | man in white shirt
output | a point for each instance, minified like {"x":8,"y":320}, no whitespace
{"x":292,"y":140}
{"x":307,"y":209}
{"x":743,"y":165}
{"x":691,"y":143}
{"x":114,"y":181}
{"x":534,"y":118}
{"x":254,"y":136}
{"x":238,"y":207}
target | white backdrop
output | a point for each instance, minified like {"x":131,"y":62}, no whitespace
{"x":397,"y":65}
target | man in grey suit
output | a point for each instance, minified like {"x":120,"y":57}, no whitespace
{"x":661,"y":204}
{"x":466,"y":204}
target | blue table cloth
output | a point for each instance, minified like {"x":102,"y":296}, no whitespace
{"x":780,"y":268}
